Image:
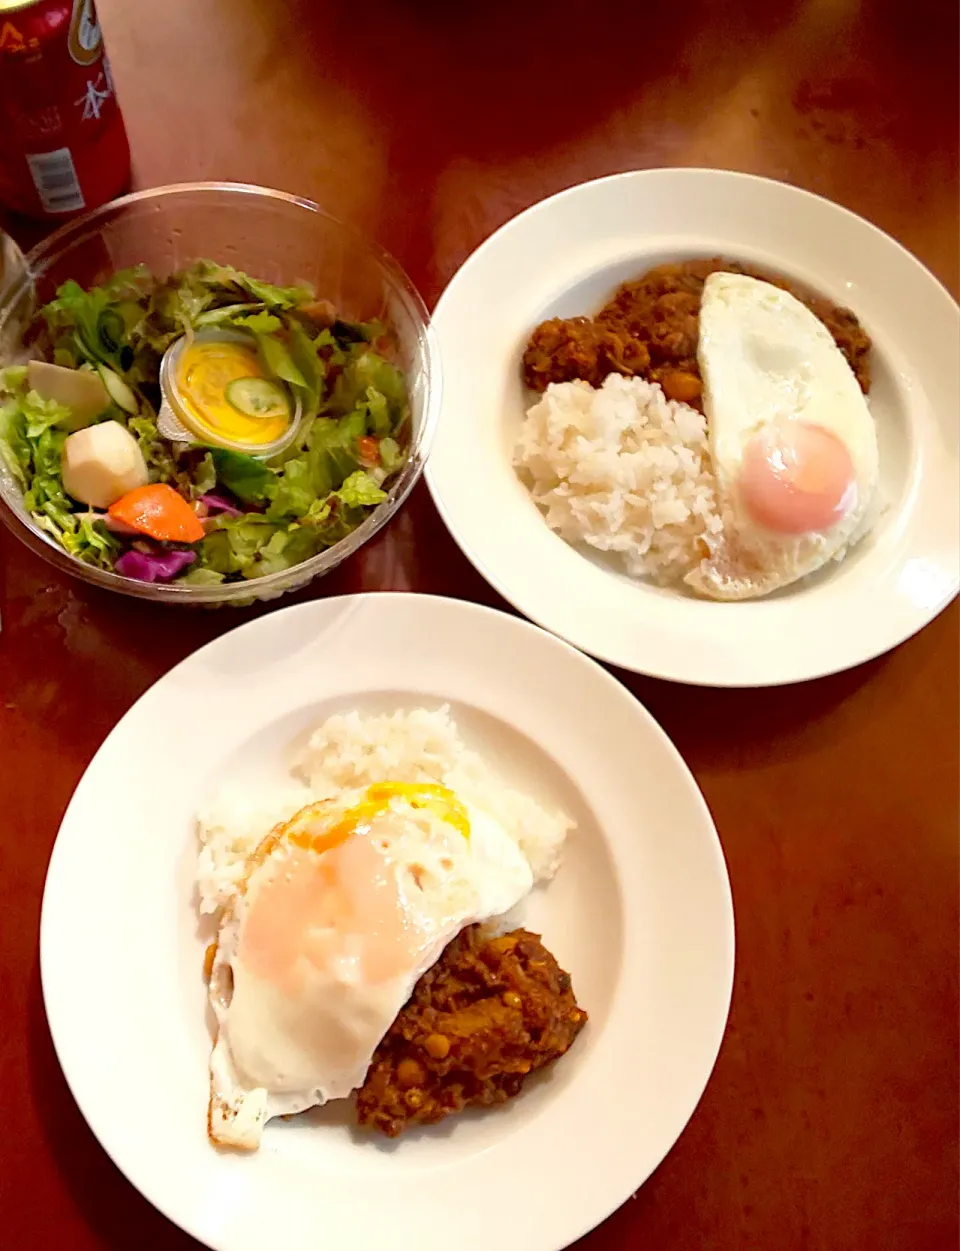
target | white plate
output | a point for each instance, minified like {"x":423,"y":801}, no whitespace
{"x":565,"y":256}
{"x":640,"y":913}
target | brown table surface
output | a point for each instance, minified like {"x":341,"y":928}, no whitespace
{"x":830,"y":1122}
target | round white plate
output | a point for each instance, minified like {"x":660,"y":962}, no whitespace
{"x":640,"y":914}
{"x":564,"y":257}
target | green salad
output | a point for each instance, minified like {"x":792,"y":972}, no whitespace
{"x":82,"y":428}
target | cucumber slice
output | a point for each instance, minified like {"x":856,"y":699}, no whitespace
{"x":257,"y":397}
{"x":118,"y":390}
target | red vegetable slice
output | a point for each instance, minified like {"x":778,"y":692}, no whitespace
{"x":158,"y":511}
{"x":368,"y":449}
{"x":154,"y":566}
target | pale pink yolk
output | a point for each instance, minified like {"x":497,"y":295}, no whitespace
{"x":797,"y":477}
{"x":319,"y":908}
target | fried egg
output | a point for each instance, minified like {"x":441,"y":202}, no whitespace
{"x":338,"y":914}
{"x":792,"y":440}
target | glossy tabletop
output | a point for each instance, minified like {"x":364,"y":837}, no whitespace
{"x":830,"y":1123}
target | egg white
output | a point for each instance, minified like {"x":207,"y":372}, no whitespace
{"x":278,"y":1054}
{"x":765,"y":357}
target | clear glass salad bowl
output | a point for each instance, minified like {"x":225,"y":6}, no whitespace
{"x":279,"y":239}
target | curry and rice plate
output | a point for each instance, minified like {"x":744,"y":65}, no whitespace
{"x":707,"y":427}
{"x":366,"y":933}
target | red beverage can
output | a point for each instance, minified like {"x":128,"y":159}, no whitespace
{"x":63,"y":145}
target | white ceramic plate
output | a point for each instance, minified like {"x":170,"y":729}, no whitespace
{"x":564,"y":257}
{"x":640,"y":913}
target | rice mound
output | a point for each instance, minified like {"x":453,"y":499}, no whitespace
{"x":351,"y":750}
{"x":625,"y":470}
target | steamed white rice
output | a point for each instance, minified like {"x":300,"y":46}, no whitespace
{"x":624,"y":470}
{"x":351,"y":750}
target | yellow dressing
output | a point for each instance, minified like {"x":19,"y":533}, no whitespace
{"x":205,"y":370}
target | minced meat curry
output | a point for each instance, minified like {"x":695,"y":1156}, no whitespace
{"x":489,"y":1013}
{"x":650,"y":329}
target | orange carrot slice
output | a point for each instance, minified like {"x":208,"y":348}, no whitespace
{"x":158,"y":511}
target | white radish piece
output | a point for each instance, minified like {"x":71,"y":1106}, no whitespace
{"x":102,"y":463}
{"x":80,"y":390}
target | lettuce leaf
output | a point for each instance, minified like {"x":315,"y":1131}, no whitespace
{"x":234,"y":544}
{"x":256,"y":544}
{"x":14,"y":444}
{"x":204,"y":476}
{"x":328,"y":460}
{"x":378,"y":411}
{"x":157,"y":452}
{"x":94,"y":327}
{"x":228,"y":314}
{"x":273,"y":296}
{"x":286,"y":548}
{"x":297,"y":488}
{"x":13,"y":379}
{"x":360,"y":491}
{"x":32,"y":447}
{"x":311,"y":367}
{"x":202,"y":577}
{"x":358,"y":331}
{"x":249,"y":479}
{"x":391,"y":455}
{"x":40,"y":415}
{"x":278,"y":361}
{"x":215,"y":276}
{"x":259,"y":323}
{"x":368,"y":372}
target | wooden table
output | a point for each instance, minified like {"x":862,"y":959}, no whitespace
{"x":830,"y":1123}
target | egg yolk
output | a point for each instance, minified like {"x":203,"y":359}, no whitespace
{"x":323,"y":910}
{"x":438,"y":800}
{"x":205,"y":371}
{"x":796,"y":478}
